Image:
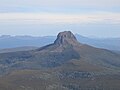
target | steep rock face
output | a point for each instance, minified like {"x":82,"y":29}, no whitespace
{"x":66,"y":38}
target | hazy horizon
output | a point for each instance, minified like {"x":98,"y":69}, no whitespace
{"x":45,"y":18}
{"x":55,"y":34}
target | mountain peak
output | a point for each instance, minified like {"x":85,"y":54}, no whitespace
{"x":66,"y":38}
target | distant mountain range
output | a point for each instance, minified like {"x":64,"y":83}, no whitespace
{"x":106,"y":43}
{"x":7,"y":41}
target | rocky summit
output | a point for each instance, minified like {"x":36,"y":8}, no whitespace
{"x":66,"y":38}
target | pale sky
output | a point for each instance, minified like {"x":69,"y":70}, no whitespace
{"x":99,"y":18}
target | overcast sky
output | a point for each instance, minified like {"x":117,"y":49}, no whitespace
{"x":99,"y":18}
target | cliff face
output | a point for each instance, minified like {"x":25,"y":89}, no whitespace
{"x":66,"y":38}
